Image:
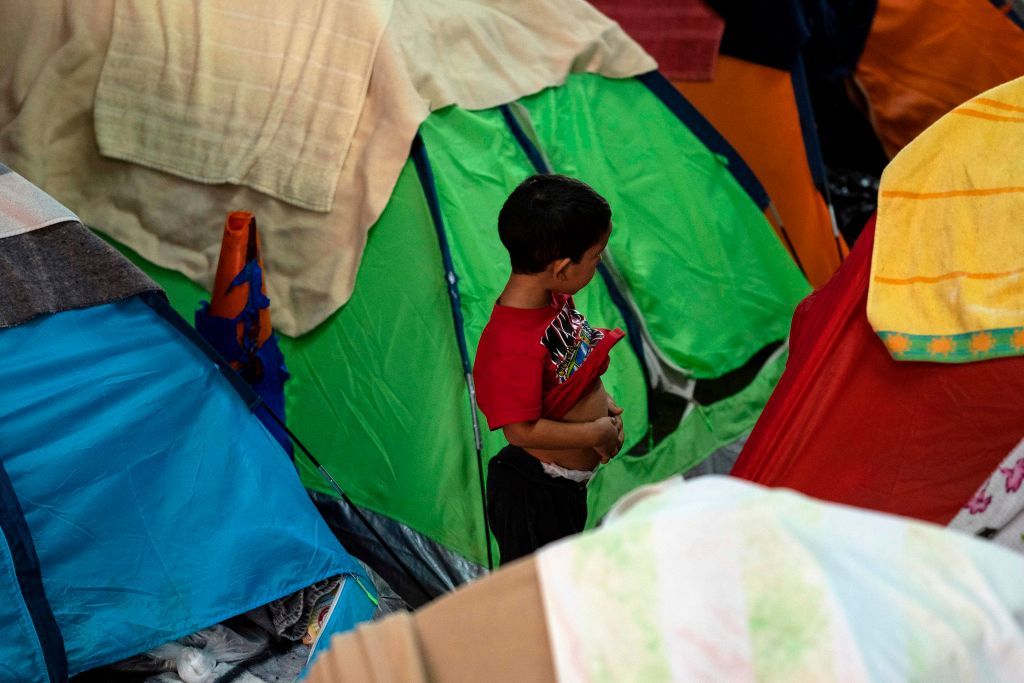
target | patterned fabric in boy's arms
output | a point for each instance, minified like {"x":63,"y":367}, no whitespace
{"x":538,"y":362}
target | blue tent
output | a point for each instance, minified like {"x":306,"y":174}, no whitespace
{"x":141,"y":499}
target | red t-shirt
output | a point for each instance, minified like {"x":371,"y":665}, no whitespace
{"x":538,"y":362}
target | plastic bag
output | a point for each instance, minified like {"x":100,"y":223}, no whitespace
{"x":196,"y":657}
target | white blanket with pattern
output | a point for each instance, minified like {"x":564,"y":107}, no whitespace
{"x":717,"y":579}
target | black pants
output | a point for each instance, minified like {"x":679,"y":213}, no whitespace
{"x":528,"y":508}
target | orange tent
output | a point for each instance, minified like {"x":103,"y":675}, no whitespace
{"x":924,"y":57}
{"x":755,"y":108}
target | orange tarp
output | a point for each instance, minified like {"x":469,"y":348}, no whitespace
{"x":754,"y":107}
{"x":924,"y":57}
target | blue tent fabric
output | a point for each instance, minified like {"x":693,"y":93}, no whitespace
{"x":23,"y":603}
{"x":157,"y":502}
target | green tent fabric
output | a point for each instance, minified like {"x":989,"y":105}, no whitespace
{"x":701,"y":431}
{"x":683,"y":222}
{"x":377,"y":390}
{"x":479,"y":145}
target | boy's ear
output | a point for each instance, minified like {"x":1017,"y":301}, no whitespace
{"x":559,"y":267}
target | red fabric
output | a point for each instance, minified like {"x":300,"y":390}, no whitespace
{"x":538,"y":362}
{"x":683,"y":36}
{"x":850,"y":425}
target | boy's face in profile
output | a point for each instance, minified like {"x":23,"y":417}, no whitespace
{"x":578,"y":275}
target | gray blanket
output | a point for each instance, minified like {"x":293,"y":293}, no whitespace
{"x":62,"y":267}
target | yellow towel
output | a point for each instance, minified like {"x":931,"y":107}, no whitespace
{"x":946,"y":273}
{"x":260,"y":93}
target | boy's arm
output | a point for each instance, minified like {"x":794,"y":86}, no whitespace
{"x":546,"y":434}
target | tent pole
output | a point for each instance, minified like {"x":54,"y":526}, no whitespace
{"x":812,"y":144}
{"x":785,"y":237}
{"x":426,"y":176}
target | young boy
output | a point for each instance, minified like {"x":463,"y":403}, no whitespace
{"x":539,"y":364}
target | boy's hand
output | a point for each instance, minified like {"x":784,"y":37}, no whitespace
{"x":613,"y":408}
{"x":621,"y":437}
{"x":610,"y":437}
{"x":615,"y":411}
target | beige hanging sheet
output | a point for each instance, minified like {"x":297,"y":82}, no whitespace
{"x":52,"y":53}
{"x":261,"y":94}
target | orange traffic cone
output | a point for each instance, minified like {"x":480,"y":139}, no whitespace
{"x":239,"y":246}
{"x":237,"y":320}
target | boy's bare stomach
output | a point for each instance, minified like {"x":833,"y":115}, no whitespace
{"x":592,"y":406}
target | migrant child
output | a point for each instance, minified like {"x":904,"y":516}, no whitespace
{"x":539,"y":365}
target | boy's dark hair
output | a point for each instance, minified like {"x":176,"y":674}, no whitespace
{"x":549,"y":217}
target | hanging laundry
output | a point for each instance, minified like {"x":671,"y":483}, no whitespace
{"x":314,"y":246}
{"x":949,"y":252}
{"x":265,"y":95}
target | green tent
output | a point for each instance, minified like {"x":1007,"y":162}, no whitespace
{"x":696,"y":274}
